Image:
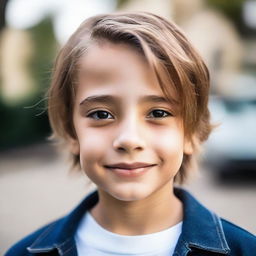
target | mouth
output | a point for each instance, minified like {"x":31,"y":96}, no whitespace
{"x":130,"y":170}
{"x":129,"y":166}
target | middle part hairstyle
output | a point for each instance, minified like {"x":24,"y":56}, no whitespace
{"x":172,"y":58}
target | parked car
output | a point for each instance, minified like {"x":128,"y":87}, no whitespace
{"x":231,"y":148}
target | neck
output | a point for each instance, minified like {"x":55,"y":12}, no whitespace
{"x":155,"y":213}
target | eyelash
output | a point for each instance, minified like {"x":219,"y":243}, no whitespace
{"x":98,"y":111}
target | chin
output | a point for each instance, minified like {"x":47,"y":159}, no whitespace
{"x":129,"y":195}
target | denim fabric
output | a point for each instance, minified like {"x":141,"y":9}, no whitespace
{"x":203,"y":233}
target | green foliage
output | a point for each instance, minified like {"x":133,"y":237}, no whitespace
{"x":25,"y":122}
{"x":231,"y":8}
{"x":120,"y":3}
{"x":22,"y":124}
{"x":45,"y":49}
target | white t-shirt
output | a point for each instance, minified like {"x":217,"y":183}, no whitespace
{"x":92,"y":239}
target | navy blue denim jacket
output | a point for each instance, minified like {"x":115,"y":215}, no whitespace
{"x":203,"y":233}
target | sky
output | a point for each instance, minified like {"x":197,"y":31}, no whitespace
{"x":67,"y":15}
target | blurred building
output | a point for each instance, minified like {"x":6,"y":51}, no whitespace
{"x":17,"y":81}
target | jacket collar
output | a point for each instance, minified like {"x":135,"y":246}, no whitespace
{"x":201,"y":229}
{"x":60,"y":234}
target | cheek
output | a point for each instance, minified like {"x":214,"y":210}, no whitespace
{"x":92,"y":147}
{"x":169,"y":145}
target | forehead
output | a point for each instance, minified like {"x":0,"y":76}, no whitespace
{"x":117,"y":67}
{"x":105,"y":60}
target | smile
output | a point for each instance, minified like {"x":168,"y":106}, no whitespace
{"x":130,"y":170}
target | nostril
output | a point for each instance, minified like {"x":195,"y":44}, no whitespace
{"x":121,"y":149}
{"x":128,"y":143}
{"x":124,"y":149}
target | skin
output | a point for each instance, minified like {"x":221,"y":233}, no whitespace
{"x":128,"y":130}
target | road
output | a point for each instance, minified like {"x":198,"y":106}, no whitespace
{"x":36,"y":187}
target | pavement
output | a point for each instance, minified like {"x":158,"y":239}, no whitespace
{"x":37,"y":187}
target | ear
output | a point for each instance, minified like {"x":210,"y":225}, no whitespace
{"x":74,"y":146}
{"x":188,"y":148}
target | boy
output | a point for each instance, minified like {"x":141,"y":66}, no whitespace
{"x":129,"y":99}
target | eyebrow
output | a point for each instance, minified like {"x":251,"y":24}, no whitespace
{"x":114,"y":100}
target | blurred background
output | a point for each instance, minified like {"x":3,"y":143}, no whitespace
{"x":35,"y":185}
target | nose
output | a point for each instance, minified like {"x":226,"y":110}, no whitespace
{"x":129,"y":138}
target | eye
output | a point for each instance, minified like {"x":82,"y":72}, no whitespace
{"x":100,"y":114}
{"x":159,"y":113}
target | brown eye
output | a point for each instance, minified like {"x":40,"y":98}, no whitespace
{"x":158,"y":113}
{"x":100,"y":114}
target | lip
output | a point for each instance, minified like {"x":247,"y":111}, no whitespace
{"x":130,"y":170}
{"x":129,"y":166}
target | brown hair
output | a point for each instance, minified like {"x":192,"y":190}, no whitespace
{"x":171,"y":56}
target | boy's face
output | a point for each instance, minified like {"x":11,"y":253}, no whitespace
{"x":117,"y":121}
